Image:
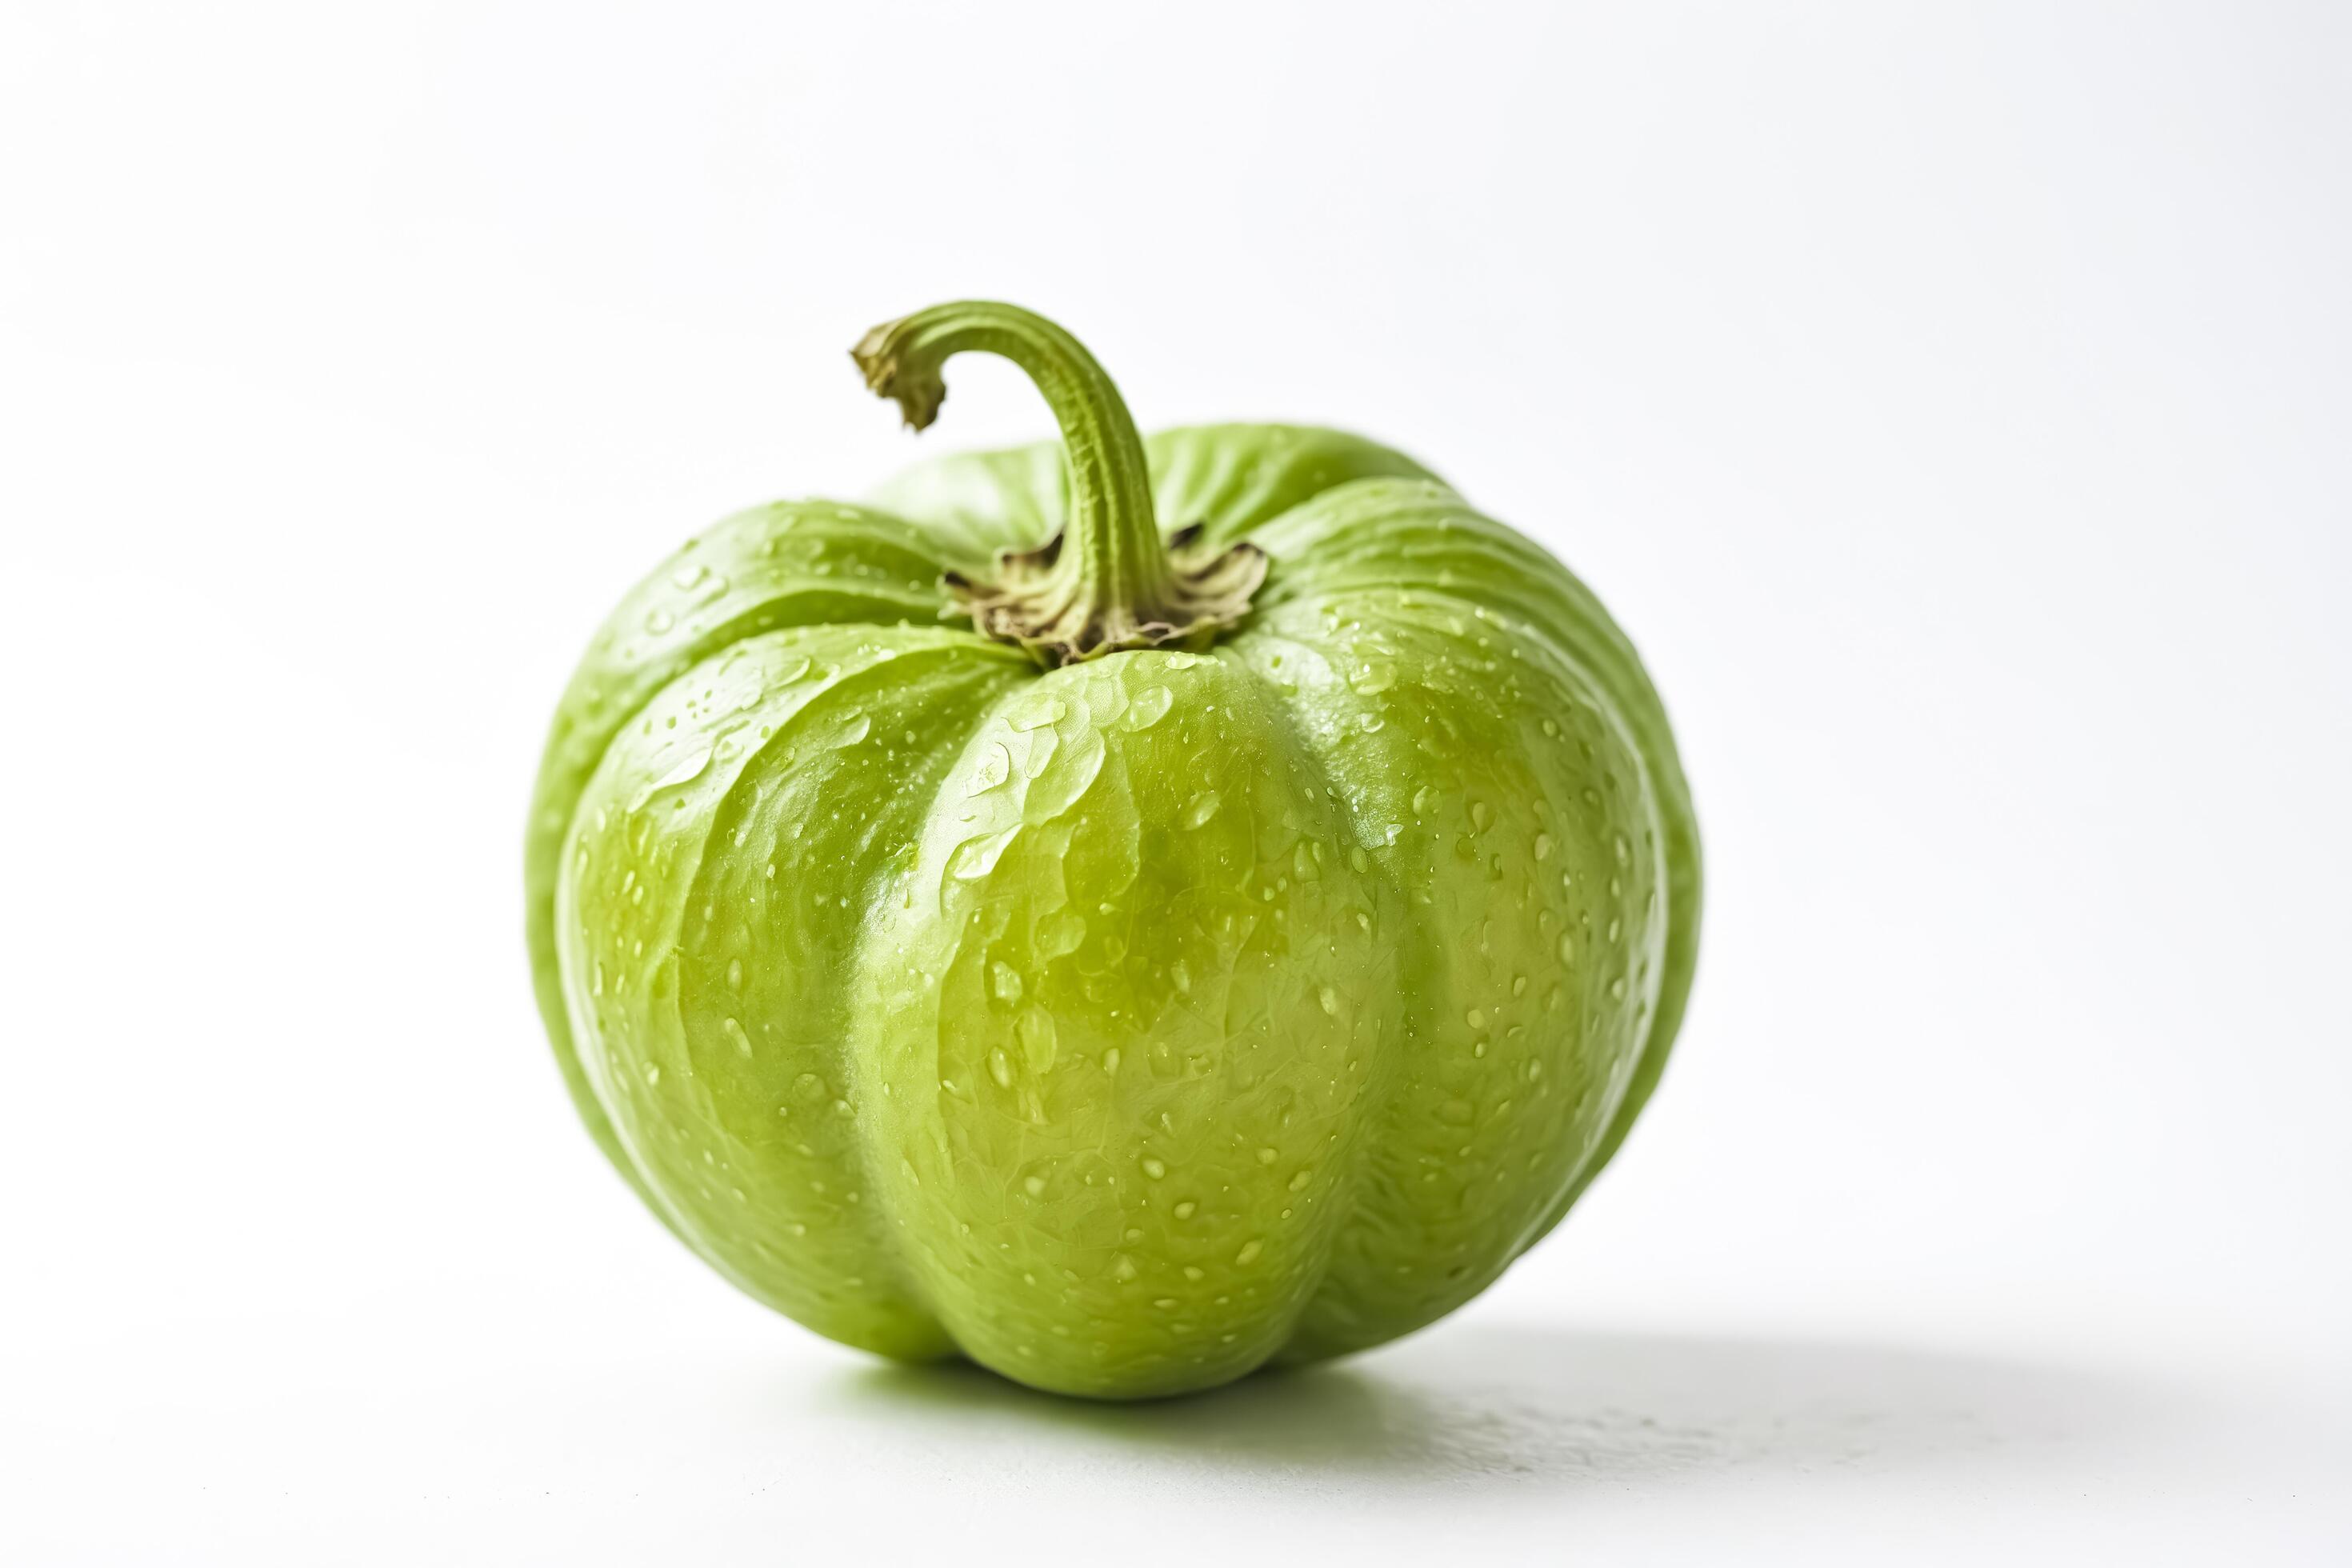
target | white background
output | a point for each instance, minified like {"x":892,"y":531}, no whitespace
{"x":1954,"y":402}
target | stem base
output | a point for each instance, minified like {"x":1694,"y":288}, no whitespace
{"x":1039,"y":602}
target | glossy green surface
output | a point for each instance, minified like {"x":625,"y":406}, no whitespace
{"x":1128,"y":1023}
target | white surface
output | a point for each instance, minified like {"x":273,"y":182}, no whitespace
{"x":1952,"y":404}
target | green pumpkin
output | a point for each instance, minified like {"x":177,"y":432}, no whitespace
{"x":975,"y":925}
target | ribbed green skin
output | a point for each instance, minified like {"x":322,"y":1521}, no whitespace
{"x":1129,"y":1025}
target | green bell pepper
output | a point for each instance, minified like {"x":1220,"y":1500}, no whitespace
{"x":974,"y":923}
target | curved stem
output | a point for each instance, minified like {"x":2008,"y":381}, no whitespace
{"x":1110,"y":553}
{"x":1106,"y":583}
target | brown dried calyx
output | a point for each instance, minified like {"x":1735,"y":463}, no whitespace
{"x":1034,"y":602}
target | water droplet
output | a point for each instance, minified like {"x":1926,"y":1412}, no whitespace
{"x":1034,"y":1185}
{"x":1149,"y":707}
{"x":853,"y":732}
{"x":1186,"y":1209}
{"x":1543,"y":846}
{"x":653,"y":1075}
{"x":1050,"y":711}
{"x":734,"y":974}
{"x":737,"y":1038}
{"x":1482,"y":815}
{"x":976,"y":857}
{"x":1043,"y":744}
{"x":1423,"y":798}
{"x":1371,"y":723}
{"x":659,"y":621}
{"x":1330,"y":1000}
{"x":1204,"y":806}
{"x":1004,"y":981}
{"x":1299,"y":1183}
{"x":687,"y":575}
{"x":1267,"y":1156}
{"x":1040,"y":1041}
{"x":1061,"y":932}
{"x":1155,"y":1169}
{"x":1475,"y":1018}
{"x":1358,"y":860}
{"x":1000,"y":1068}
{"x":685,"y":769}
{"x":996,"y":767}
{"x":1617,"y":988}
{"x":1111,"y":1059}
{"x":1567,"y":949}
{"x":1249,"y":1253}
{"x":1123,"y":1269}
